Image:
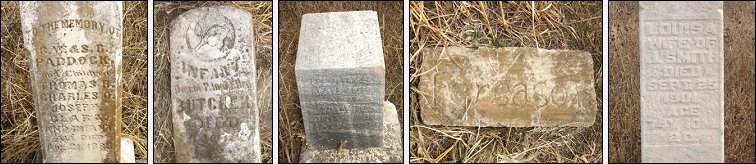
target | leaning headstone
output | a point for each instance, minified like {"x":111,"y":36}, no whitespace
{"x":340,"y":77}
{"x":510,"y":86}
{"x":681,"y":79}
{"x":75,"y":66}
{"x":214,"y":109}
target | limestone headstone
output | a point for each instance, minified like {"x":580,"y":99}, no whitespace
{"x":214,"y":109}
{"x":75,"y":66}
{"x":511,"y":86}
{"x":340,"y":77}
{"x":681,"y":79}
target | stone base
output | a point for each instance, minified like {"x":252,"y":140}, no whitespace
{"x":391,"y":152}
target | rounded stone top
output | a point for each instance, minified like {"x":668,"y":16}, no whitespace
{"x":212,"y":33}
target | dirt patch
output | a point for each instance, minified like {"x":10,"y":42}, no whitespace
{"x":262,"y":13}
{"x":20,"y":141}
{"x":290,"y":125}
{"x":624,"y":82}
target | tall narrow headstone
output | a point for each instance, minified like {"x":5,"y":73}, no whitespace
{"x":340,"y":77}
{"x":214,"y":109}
{"x":75,"y":66}
{"x":681,"y":79}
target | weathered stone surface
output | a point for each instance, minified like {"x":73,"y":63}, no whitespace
{"x":681,"y":79}
{"x":340,"y":78}
{"x":391,"y":152}
{"x":512,"y":86}
{"x":214,"y":109}
{"x":75,"y":66}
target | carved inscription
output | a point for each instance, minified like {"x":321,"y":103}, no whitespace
{"x":75,"y":68}
{"x":681,"y":82}
{"x":680,"y":66}
{"x":343,"y":105}
{"x":507,"y":87}
{"x":340,"y":75}
{"x":213,"y":86}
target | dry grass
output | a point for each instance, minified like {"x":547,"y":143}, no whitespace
{"x":290,"y":126}
{"x":624,"y":84}
{"x":262,"y":13}
{"x":20,"y":142}
{"x":551,"y":25}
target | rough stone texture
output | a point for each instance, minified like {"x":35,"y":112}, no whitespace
{"x":511,"y":86}
{"x":341,"y":78}
{"x":391,"y":152}
{"x":75,"y":65}
{"x":214,"y":107}
{"x":339,"y":40}
{"x":682,"y":109}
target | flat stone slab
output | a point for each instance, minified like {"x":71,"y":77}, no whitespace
{"x":682,"y":82}
{"x":215,"y":116}
{"x":341,"y":79}
{"x":391,"y":152}
{"x":511,"y":86}
{"x":75,"y":53}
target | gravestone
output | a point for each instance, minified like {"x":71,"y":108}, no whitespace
{"x":341,"y":77}
{"x":213,"y":90}
{"x":681,"y":79}
{"x":510,"y":86}
{"x":391,"y":152}
{"x":75,"y":66}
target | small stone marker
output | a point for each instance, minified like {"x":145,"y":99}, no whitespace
{"x":340,"y":77}
{"x":75,"y":66}
{"x":681,"y":79}
{"x":127,"y":150}
{"x":511,"y":86}
{"x":214,"y":109}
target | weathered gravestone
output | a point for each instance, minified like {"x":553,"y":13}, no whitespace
{"x":75,"y":66}
{"x":341,"y":79}
{"x":391,"y":152}
{"x":681,"y":79}
{"x":512,"y":86}
{"x":213,"y":86}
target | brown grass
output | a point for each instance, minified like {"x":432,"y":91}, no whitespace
{"x":20,"y":141}
{"x":551,"y":25}
{"x":262,"y":13}
{"x":624,"y":82}
{"x":290,"y":126}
